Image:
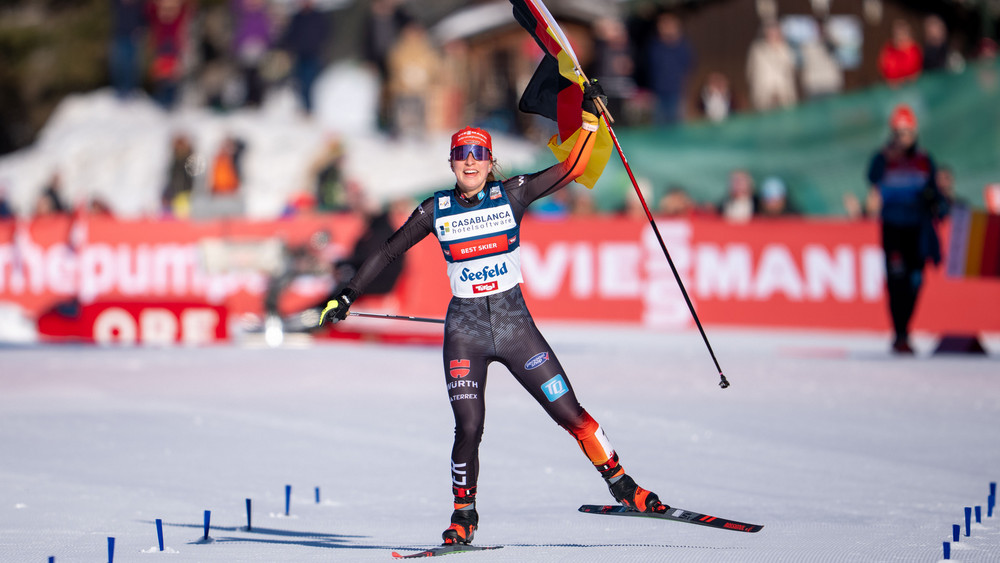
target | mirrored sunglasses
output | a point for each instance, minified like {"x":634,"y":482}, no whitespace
{"x":462,"y":152}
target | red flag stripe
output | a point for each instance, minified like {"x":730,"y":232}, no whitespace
{"x":541,"y":31}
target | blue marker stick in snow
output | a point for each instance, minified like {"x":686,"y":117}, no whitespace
{"x":111,"y":550}
{"x":288,"y":498}
{"x":317,"y":495}
{"x":947,"y":550}
{"x":52,"y":559}
{"x":990,"y":503}
{"x":248,"y":515}
{"x":979,"y":515}
{"x":956,"y":530}
{"x":968,"y":521}
{"x":159,"y":533}
{"x":208,"y":523}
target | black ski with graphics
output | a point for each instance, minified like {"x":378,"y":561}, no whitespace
{"x":445,"y":549}
{"x":675,"y":514}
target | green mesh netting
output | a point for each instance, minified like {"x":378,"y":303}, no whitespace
{"x":820,"y":149}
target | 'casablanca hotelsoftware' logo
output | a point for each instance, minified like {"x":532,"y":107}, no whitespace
{"x":471,"y":224}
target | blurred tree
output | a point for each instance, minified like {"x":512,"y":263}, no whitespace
{"x":48,"y":49}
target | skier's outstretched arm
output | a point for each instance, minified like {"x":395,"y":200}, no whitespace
{"x":419,"y":225}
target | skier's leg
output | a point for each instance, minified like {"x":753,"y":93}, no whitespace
{"x":900,"y":297}
{"x":568,"y":413}
{"x":465,"y":352}
{"x":904,"y":278}
{"x":467,"y":396}
{"x":535,"y":366}
{"x":914,"y":262}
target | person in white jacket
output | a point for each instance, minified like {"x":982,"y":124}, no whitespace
{"x":771,"y":70}
{"x":821,"y":74}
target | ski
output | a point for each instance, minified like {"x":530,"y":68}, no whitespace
{"x":675,"y":514}
{"x":445,"y":549}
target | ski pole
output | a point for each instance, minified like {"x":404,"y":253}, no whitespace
{"x":723,"y":382}
{"x":563,"y":42}
{"x":396,"y":317}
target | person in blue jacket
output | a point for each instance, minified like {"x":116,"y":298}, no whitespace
{"x":904,"y":177}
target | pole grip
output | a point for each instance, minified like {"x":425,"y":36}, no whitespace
{"x":604,"y":110}
{"x":598,"y":102}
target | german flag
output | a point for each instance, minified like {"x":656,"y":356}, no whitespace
{"x":555,"y":90}
{"x":974,"y":245}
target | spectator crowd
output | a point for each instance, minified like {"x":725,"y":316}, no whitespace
{"x":228,"y":55}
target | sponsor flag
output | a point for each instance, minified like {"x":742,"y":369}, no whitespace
{"x":555,"y":90}
{"x":974,"y":246}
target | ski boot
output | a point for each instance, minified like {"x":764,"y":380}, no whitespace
{"x":625,"y":491}
{"x":464,"y":522}
{"x":901,"y":346}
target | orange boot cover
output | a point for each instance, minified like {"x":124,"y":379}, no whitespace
{"x":596,"y":446}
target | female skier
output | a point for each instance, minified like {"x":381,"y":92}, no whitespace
{"x":477,"y":224}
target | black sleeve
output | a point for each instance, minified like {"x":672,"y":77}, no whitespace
{"x":530,"y":187}
{"x":876,"y":169}
{"x":419,"y":225}
{"x":938,"y":205}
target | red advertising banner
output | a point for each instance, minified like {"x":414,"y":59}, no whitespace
{"x":787,"y":273}
{"x":781,"y":273}
{"x":219,"y":263}
{"x":138,"y":322}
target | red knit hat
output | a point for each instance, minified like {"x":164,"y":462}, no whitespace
{"x":903,"y":118}
{"x":472,"y":136}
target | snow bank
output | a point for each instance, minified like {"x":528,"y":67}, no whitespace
{"x":119,"y":151}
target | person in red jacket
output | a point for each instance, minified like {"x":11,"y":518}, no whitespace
{"x":901,"y":59}
{"x":168,"y":21}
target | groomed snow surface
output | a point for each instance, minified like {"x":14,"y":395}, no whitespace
{"x":842,"y":451}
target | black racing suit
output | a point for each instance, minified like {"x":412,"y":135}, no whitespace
{"x":496,"y":327}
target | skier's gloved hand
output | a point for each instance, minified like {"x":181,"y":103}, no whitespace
{"x":592,"y":91}
{"x":336,"y":309}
